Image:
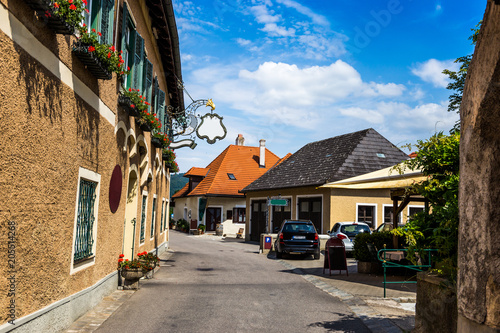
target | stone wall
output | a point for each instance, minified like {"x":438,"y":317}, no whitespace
{"x":479,"y":234}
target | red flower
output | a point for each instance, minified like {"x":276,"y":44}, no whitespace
{"x":93,"y":30}
{"x":84,"y":25}
{"x":87,"y":10}
{"x":70,"y":1}
{"x":99,"y":33}
{"x":109,"y":54}
{"x":128,"y":68}
{"x":122,"y":61}
{"x":91,"y":49}
{"x":132,"y":105}
{"x":129,"y":89}
{"x":47,"y":13}
{"x":72,"y":7}
{"x":120,"y":260}
{"x":121,"y":255}
{"x":85,"y":2}
{"x":126,"y":267}
{"x":56,"y":5}
{"x":112,"y":48}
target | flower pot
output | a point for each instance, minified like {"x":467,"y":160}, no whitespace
{"x":92,"y":63}
{"x":54,"y":22}
{"x":132,"y":277}
{"x":126,"y":103}
{"x":145,"y":127}
{"x":156,"y":142}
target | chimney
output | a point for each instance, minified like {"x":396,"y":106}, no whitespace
{"x":262,"y":158}
{"x":240,"y":140}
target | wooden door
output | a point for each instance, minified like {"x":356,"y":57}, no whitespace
{"x":213,"y":217}
{"x":258,"y":219}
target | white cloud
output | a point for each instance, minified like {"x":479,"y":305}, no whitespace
{"x":289,"y":94}
{"x":316,"y":18}
{"x":243,"y":42}
{"x":431,"y":71}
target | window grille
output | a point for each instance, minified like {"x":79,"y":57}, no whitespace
{"x":143,"y":217}
{"x":153,"y":218}
{"x":84,"y":240}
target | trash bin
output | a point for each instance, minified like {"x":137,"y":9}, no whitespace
{"x":219,"y":229}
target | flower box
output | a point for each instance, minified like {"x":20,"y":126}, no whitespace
{"x":88,"y":59}
{"x":156,"y":142}
{"x":132,"y":277}
{"x":143,"y":126}
{"x":126,"y":103}
{"x":54,"y":22}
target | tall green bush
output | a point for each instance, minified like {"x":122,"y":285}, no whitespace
{"x":378,"y":239}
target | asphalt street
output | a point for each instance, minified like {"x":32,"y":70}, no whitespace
{"x":215,"y":285}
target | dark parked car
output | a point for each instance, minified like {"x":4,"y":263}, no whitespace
{"x":297,"y":237}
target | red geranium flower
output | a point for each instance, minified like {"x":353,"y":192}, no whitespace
{"x":120,"y":260}
{"x":87,"y":10}
{"x":128,"y":68}
{"x":56,"y":5}
{"x":129,"y":89}
{"x":99,"y":33}
{"x":72,"y":7}
{"x":70,"y":1}
{"x":91,"y":49}
{"x":93,"y":30}
{"x":121,"y":255}
{"x":132,"y":105}
{"x":109,"y":54}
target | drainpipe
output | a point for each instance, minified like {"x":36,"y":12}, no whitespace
{"x":133,"y":238}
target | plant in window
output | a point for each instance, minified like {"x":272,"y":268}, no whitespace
{"x":109,"y":58}
{"x":169,"y":159}
{"x":70,"y":11}
{"x":135,"y":99}
{"x":160,"y":139}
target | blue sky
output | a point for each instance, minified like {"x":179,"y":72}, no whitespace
{"x":295,"y":71}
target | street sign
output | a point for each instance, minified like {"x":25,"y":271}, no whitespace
{"x":278,"y":202}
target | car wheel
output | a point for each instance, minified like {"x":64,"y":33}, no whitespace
{"x":279,"y":254}
{"x":316,"y":255}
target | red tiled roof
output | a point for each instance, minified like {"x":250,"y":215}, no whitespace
{"x":194,"y":171}
{"x":241,"y":161}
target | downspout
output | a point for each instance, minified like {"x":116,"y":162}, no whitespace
{"x":133,"y":237}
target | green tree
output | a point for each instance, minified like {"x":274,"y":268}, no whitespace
{"x":438,"y":158}
{"x":458,"y":78}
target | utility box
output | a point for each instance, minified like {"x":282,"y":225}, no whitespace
{"x":267,"y":242}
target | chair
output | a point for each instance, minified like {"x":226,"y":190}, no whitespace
{"x":239,"y":234}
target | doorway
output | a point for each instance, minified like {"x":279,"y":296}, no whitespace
{"x":213,"y":217}
{"x":130,"y":215}
{"x":258,"y":219}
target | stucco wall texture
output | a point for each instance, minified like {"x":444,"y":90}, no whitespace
{"x":478,"y":287}
{"x":48,"y":133}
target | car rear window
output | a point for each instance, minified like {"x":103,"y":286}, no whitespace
{"x":354,"y":229}
{"x":298,"y":227}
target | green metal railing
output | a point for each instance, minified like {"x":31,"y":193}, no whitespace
{"x":84,"y":240}
{"x":143,"y":218}
{"x":426,"y":263}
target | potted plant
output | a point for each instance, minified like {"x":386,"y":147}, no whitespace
{"x":367,"y":260}
{"x":101,"y":59}
{"x":201,"y":229}
{"x":61,"y":16}
{"x":132,"y":101}
{"x":168,"y":157}
{"x":159,"y":139}
{"x":149,"y":261}
{"x":131,"y":271}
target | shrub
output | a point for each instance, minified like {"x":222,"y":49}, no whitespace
{"x":378,"y":239}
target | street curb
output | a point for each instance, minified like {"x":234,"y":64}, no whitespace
{"x":371,"y":318}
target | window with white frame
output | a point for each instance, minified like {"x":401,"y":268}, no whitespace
{"x":85,"y":227}
{"x":388,"y":213}
{"x":153,"y":218}
{"x":412,"y":210}
{"x":366,"y":213}
{"x":144,"y":207}
{"x":239,"y":215}
{"x":99,"y":17}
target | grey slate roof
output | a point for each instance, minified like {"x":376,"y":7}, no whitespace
{"x":329,"y":160}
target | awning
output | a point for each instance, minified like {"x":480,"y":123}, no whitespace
{"x":380,"y":179}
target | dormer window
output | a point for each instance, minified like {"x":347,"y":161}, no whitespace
{"x":231,"y":176}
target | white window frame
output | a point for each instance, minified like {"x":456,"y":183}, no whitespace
{"x":146,"y":194}
{"x":96,"y":178}
{"x":374,"y":224}
{"x":412,"y":206}
{"x":162,"y":218}
{"x":383,"y":215}
{"x":153,"y":217}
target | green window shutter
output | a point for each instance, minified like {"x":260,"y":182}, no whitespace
{"x":138,"y":61}
{"x":155,"y":95}
{"x":148,"y":80}
{"x":95,"y":14}
{"x":125,"y":36}
{"x":107,"y":14}
{"x":161,"y":110}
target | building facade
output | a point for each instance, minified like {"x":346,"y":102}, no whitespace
{"x":81,"y":181}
